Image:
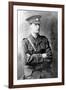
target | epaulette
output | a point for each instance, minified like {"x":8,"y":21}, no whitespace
{"x":25,"y":39}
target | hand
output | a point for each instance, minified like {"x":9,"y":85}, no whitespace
{"x":28,"y":55}
{"x":44,"y":55}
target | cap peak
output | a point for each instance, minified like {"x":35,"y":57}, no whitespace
{"x":34,"y":19}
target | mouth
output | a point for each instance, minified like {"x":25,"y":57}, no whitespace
{"x":37,"y":31}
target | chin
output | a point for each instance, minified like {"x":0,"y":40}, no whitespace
{"x":36,"y":32}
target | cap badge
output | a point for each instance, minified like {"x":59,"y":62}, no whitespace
{"x":37,"y":19}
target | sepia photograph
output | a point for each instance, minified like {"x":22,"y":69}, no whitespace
{"x":36,"y":51}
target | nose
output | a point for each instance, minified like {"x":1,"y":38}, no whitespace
{"x":37,"y":25}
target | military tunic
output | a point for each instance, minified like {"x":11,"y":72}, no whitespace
{"x":36,"y":66}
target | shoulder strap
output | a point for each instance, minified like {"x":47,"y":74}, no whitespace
{"x":31,"y":44}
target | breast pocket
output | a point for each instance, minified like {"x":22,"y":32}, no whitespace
{"x":42,"y":48}
{"x":30,"y":48}
{"x":42,"y":45}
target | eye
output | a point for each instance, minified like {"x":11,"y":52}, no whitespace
{"x":37,"y":24}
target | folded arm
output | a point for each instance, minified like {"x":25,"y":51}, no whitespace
{"x":39,"y":57}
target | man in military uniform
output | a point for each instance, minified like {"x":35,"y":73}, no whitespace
{"x":37,"y":52}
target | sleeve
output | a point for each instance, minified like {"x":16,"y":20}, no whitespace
{"x":25,"y":50}
{"x":35,"y":58}
{"x":28,"y":58}
{"x":48,"y":51}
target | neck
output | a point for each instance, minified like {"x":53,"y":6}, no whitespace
{"x":35,"y":35}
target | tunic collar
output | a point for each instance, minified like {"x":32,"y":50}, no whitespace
{"x":35,"y":40}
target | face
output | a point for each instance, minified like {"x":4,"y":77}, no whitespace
{"x":35,"y":28}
